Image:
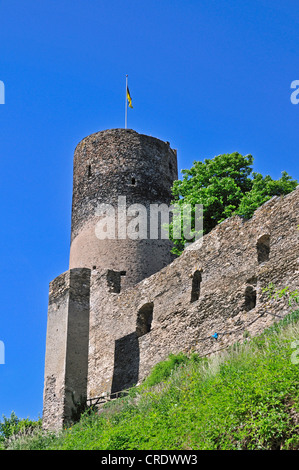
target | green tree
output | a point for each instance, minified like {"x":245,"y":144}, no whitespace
{"x":226,"y":186}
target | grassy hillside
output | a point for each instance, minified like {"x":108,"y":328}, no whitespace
{"x":245,"y":398}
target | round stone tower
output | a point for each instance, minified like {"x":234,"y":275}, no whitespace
{"x":114,"y":170}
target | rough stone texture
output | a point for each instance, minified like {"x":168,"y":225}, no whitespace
{"x":66,"y":360}
{"x":105,"y":334}
{"x":109,"y":164}
{"x":229,"y":289}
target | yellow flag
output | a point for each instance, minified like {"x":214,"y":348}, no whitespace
{"x":129,"y":98}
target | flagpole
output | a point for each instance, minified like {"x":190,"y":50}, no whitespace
{"x":126,"y":118}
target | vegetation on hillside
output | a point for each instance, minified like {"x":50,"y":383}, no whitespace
{"x":225,"y":186}
{"x":244,"y":398}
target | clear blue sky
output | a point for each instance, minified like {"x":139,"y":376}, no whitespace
{"x":209,"y":76}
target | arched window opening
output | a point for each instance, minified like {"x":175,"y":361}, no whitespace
{"x":144,"y":319}
{"x":250,"y":298}
{"x":263,"y":249}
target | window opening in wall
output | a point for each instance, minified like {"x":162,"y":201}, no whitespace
{"x":144,"y":319}
{"x":250,"y":298}
{"x":89,"y":171}
{"x":263,"y":248}
{"x":114,"y":281}
{"x":133,"y":181}
{"x":196,"y":282}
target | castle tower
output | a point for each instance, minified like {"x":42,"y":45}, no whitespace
{"x":120,"y":167}
{"x":115,"y":168}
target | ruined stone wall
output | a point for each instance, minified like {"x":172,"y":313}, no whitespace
{"x":215,"y":286}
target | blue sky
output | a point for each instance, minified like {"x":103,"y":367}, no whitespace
{"x":209,"y":76}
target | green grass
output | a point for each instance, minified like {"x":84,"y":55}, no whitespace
{"x":245,"y":398}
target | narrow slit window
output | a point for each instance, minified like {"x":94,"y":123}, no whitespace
{"x":263,"y":249}
{"x":196,"y":282}
{"x":250,"y":298}
{"x":89,"y":171}
{"x":144,"y":319}
{"x":133,"y":181}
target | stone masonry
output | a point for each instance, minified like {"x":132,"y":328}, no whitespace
{"x":105,"y":335}
{"x":215,"y":286}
